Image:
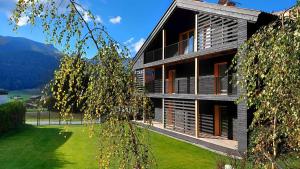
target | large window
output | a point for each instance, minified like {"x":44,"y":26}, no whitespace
{"x":186,"y":42}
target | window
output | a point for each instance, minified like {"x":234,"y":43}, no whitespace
{"x":186,"y":42}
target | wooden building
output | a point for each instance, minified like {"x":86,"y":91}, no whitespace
{"x":183,"y":67}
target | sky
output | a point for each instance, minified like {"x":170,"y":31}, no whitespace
{"x":128,"y":21}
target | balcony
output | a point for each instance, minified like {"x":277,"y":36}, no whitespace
{"x":153,"y":56}
{"x":180,"y":48}
{"x":185,"y":85}
{"x":223,"y":85}
{"x":154,"y":86}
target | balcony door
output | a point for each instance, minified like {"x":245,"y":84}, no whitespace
{"x":186,"y":42}
{"x":222,"y":121}
{"x":221,"y":78}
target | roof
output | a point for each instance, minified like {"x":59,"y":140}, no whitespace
{"x":194,"y":5}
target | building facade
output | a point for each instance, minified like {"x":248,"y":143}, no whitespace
{"x":184,"y":68}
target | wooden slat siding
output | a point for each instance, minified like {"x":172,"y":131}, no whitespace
{"x":207,"y":123}
{"x":139,"y":64}
{"x":154,"y":86}
{"x":215,"y":31}
{"x":153,"y":55}
{"x":231,"y":46}
{"x":185,"y":85}
{"x":193,"y":97}
{"x":207,"y":84}
{"x":180,"y":115}
{"x":139,"y":76}
{"x":242,"y":137}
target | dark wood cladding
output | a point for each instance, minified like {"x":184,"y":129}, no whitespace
{"x":215,"y":31}
{"x":154,"y":86}
{"x":139,"y":78}
{"x":180,"y":115}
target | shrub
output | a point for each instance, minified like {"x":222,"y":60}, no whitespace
{"x":12,"y":116}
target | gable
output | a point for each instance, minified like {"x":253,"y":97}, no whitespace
{"x":197,"y":6}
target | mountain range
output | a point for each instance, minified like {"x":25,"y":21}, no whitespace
{"x":26,"y":64}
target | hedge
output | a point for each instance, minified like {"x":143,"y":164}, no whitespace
{"x":12,"y":116}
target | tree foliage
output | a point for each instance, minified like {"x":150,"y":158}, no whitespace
{"x":269,"y":69}
{"x":102,"y":87}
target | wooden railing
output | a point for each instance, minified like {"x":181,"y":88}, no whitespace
{"x":224,"y":85}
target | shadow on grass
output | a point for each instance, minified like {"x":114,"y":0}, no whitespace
{"x":32,"y":148}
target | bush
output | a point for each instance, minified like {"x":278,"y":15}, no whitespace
{"x":12,"y":116}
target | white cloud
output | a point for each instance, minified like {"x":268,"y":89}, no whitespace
{"x":23,"y":20}
{"x":86,"y":15}
{"x":137,"y":45}
{"x":116,"y":20}
{"x":134,"y":46}
{"x":98,"y":19}
{"x":129,"y":41}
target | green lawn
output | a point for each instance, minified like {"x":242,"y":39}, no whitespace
{"x":44,"y":147}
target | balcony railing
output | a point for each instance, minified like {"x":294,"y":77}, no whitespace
{"x":179,"y":48}
{"x":153,"y":55}
{"x":185,"y":85}
{"x":154,"y":86}
{"x":176,"y":49}
{"x":224,"y":85}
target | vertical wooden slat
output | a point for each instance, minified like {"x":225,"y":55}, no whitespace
{"x":163,"y":43}
{"x":163,"y":113}
{"x":171,"y":75}
{"x":197,"y":120}
{"x":196,"y":34}
{"x":163,"y":79}
{"x":217,"y":119}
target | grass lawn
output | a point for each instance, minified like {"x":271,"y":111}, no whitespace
{"x":45,"y":148}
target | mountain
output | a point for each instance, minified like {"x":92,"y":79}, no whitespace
{"x":26,"y":64}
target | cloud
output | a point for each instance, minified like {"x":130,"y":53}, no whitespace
{"x":129,"y":41}
{"x":134,"y":46}
{"x":98,"y":19}
{"x":138,"y":44}
{"x":116,"y":20}
{"x":87,"y":17}
{"x":23,"y":20}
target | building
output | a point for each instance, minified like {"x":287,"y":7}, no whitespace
{"x":183,"y":66}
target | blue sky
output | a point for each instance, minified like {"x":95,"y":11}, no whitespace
{"x":128,"y":21}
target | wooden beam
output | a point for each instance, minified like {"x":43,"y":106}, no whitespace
{"x":163,"y":113}
{"x":217,"y":120}
{"x":197,"y":119}
{"x":196,"y":34}
{"x":163,"y":79}
{"x":163,"y":43}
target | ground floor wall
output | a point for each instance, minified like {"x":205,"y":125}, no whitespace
{"x":220,"y":119}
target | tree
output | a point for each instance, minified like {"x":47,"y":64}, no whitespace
{"x":269,"y":71}
{"x":109,"y":92}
